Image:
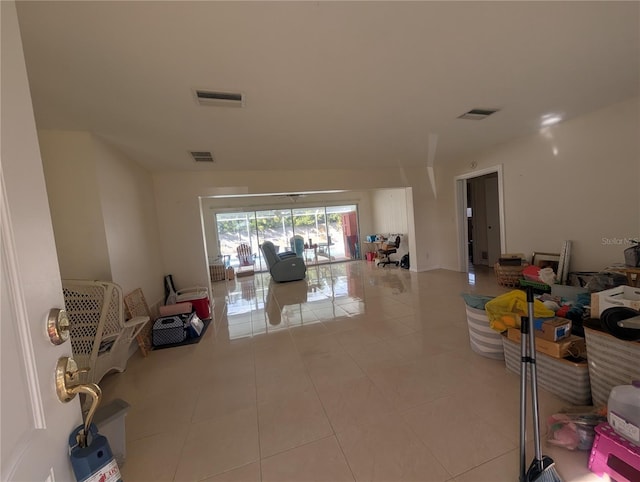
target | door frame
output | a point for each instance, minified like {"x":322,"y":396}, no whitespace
{"x":460,"y":188}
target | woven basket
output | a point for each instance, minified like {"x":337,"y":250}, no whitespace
{"x":509,"y":276}
{"x":612,"y":362}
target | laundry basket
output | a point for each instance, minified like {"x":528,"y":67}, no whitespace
{"x":483,"y":340}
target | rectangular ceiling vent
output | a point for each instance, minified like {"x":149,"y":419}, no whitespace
{"x":201,"y":156}
{"x":212,"y":97}
{"x":478,"y":114}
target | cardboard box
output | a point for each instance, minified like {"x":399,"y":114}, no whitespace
{"x":619,"y":296}
{"x":554,"y":329}
{"x":573,"y":345}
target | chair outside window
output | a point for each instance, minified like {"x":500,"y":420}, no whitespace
{"x":297,"y":245}
{"x":246,"y":260}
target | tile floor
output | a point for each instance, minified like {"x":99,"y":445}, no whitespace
{"x":357,"y":373}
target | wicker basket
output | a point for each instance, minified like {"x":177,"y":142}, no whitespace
{"x":509,"y":276}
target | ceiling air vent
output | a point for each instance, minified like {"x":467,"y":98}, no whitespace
{"x":201,"y":156}
{"x":477,"y":114}
{"x":212,"y":97}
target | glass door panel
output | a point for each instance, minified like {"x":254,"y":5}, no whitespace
{"x":343,"y":228}
{"x":330,"y":233}
{"x":310,"y":224}
{"x":235,"y":229}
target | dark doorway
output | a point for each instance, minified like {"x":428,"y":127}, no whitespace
{"x":483,"y":220}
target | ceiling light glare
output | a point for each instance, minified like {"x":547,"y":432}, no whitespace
{"x":550,"y":119}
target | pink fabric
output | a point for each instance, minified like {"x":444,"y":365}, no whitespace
{"x":177,"y":309}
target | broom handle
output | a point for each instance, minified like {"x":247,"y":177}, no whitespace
{"x":524,"y":366}
{"x":534,"y":378}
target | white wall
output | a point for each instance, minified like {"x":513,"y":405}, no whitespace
{"x":575,"y":181}
{"x":103,"y":212}
{"x":389,"y":211}
{"x":130,"y":222}
{"x":72,"y":188}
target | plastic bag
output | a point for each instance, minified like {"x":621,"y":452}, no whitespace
{"x":574,"y":429}
{"x":503,"y":310}
{"x":547,"y":276}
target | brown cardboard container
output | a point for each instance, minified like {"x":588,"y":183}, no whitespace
{"x":573,"y":345}
{"x":555,"y":329}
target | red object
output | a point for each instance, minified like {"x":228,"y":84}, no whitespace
{"x":200,"y":302}
{"x":562,"y":312}
{"x":532,"y":273}
{"x":614,"y":456}
{"x":371,"y":256}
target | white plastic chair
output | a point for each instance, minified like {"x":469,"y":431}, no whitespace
{"x":100,"y":336}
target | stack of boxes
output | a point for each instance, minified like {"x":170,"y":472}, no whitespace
{"x":554,"y":338}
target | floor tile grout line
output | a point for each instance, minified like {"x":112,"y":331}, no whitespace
{"x":255,"y":383}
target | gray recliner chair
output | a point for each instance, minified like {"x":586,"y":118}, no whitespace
{"x":285,"y":266}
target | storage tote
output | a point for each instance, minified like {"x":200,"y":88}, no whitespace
{"x":614,"y":456}
{"x":199,"y":298}
{"x":620,"y":296}
{"x":168,"y":330}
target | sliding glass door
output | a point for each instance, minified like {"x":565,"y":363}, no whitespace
{"x":330,"y":233}
{"x":274,"y":225}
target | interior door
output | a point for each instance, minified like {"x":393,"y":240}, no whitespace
{"x":35,"y":425}
{"x":493,"y":219}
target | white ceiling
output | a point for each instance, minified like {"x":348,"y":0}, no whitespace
{"x":327,"y":84}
